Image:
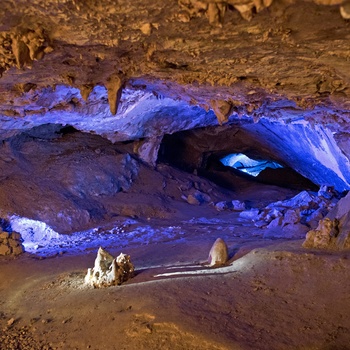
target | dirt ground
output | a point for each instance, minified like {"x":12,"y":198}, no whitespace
{"x":272,"y":295}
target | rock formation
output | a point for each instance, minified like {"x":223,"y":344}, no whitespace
{"x":109,"y":271}
{"x":11,"y":243}
{"x":333,"y":232}
{"x":190,"y":79}
{"x":218,"y":254}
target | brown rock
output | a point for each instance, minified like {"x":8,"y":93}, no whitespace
{"x":18,"y":250}
{"x":16,"y":236}
{"x":114,"y":87}
{"x":5,"y":250}
{"x":4,"y":235}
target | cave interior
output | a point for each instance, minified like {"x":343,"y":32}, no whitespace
{"x":142,"y":124}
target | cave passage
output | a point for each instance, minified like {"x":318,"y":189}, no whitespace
{"x":230,"y":157}
{"x":247,"y":165}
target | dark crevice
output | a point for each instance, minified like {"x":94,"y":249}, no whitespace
{"x":200,"y":150}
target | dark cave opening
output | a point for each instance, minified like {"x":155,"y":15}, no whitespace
{"x":202,"y":150}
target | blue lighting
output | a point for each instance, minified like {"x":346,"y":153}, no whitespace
{"x":247,"y":165}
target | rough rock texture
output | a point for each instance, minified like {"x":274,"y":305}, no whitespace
{"x":218,"y":254}
{"x":109,"y":271}
{"x":333,"y":232}
{"x":311,"y":150}
{"x":277,"y":72}
{"x":290,"y":57}
{"x":74,"y":181}
{"x":11,"y":243}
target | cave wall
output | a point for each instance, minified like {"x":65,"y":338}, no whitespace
{"x":270,"y":78}
{"x":309,"y":149}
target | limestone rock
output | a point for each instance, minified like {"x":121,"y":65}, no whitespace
{"x":85,"y":91}
{"x":218,"y":254}
{"x":291,"y":217}
{"x":222,"y":110}
{"x":114,"y":87}
{"x":237,"y":205}
{"x":345,"y":10}
{"x":11,"y":243}
{"x":324,"y":235}
{"x":220,"y":206}
{"x":251,"y":214}
{"x":109,"y":271}
{"x":215,"y":13}
{"x":146,"y":28}
{"x":275,"y":223}
{"x":191,"y":199}
{"x":197,"y":198}
{"x":333,"y":232}
{"x":148,"y":149}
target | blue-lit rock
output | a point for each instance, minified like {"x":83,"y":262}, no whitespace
{"x":309,"y":149}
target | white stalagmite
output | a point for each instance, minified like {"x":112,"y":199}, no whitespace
{"x":218,"y":254}
{"x":109,"y":271}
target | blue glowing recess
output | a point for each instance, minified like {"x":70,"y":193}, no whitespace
{"x":250,"y":166}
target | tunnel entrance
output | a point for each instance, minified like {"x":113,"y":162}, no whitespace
{"x":248,"y":165}
{"x":230,"y":157}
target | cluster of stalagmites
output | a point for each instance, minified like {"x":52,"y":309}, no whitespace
{"x":10,"y":241}
{"x":109,"y":271}
{"x":332,"y":232}
{"x":215,"y":9}
{"x":21,"y":47}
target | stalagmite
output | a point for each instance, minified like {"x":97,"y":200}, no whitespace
{"x":218,"y":254}
{"x":109,"y":271}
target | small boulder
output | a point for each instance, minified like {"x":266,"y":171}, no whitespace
{"x":220,"y":206}
{"x":238,"y":206}
{"x":291,"y":216}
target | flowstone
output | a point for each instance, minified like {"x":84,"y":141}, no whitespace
{"x":333,"y":232}
{"x":109,"y":271}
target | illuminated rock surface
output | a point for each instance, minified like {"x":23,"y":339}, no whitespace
{"x":109,"y":271}
{"x":218,"y":254}
{"x":333,"y":232}
{"x":11,"y":243}
{"x":114,"y":116}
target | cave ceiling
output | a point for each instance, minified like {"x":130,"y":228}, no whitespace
{"x":131,"y":70}
{"x":76,"y":59}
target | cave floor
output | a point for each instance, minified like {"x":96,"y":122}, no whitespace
{"x":272,"y":295}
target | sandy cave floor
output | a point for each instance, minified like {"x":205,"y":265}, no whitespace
{"x":273,"y":294}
